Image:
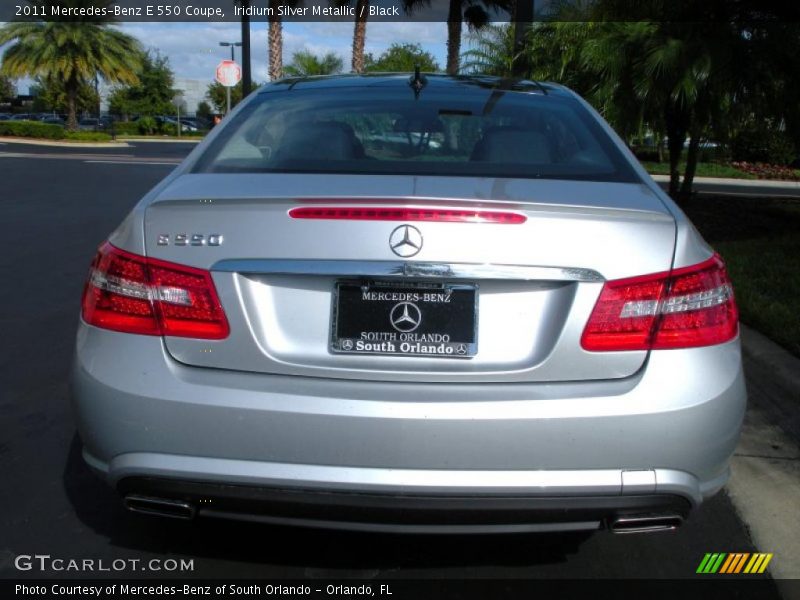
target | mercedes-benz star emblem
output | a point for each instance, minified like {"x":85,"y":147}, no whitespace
{"x":347,"y":344}
{"x":405,"y":241}
{"x":405,"y":317}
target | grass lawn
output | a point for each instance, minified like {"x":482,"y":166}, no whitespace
{"x":759,"y":238}
{"x":703,"y":170}
{"x":159,"y":136}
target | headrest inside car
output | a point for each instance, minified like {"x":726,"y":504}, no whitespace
{"x":514,"y":145}
{"x":322,"y":140}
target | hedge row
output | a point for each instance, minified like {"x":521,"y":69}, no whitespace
{"x":47,"y":131}
{"x":87,"y":136}
{"x":127,"y":128}
{"x":149,"y":126}
{"x":765,"y":143}
{"x":32,"y":129}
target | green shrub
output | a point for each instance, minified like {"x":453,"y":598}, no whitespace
{"x":87,"y":136}
{"x":126,"y":128}
{"x":647,"y":153}
{"x":32,"y":129}
{"x":765,"y":144}
{"x":147,"y":125}
{"x":138,"y":128}
{"x":720,"y":154}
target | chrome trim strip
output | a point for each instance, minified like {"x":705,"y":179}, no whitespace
{"x":379,"y":268}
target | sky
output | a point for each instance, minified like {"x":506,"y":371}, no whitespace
{"x":193,"y":48}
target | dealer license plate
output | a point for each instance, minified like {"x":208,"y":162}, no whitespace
{"x":411,"y":319}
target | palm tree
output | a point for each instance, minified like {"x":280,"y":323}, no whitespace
{"x":685,"y":68}
{"x":305,"y":63}
{"x":551,"y":50}
{"x":474,"y":12}
{"x":71,"y":53}
{"x":613,"y":53}
{"x":492,"y":52}
{"x":275,"y":36}
{"x":360,"y":35}
{"x":675,"y":76}
{"x":7,"y":88}
{"x":275,"y":43}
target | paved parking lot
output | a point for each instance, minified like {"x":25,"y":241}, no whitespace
{"x":55,"y":208}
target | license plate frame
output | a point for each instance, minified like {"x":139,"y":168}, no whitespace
{"x":388,"y":320}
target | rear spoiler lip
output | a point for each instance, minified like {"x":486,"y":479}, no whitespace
{"x":402,"y":269}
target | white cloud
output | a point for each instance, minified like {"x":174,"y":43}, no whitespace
{"x":194,"y":51}
{"x":193,"y":48}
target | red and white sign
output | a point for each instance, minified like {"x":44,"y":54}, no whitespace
{"x":229,"y":73}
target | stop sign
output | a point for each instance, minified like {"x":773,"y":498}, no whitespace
{"x":228,"y":73}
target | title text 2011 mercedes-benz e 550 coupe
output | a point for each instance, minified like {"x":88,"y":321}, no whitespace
{"x":411,"y":304}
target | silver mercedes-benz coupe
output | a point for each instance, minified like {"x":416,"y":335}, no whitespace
{"x":412,"y":304}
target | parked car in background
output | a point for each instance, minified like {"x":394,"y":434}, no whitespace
{"x":196,"y":123}
{"x":4,"y":116}
{"x":321,"y":318}
{"x":201,"y":123}
{"x":53,"y":120}
{"x":171,"y":122}
{"x":90,"y":124}
{"x":22,"y":117}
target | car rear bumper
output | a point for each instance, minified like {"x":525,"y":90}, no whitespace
{"x":666,"y":433}
{"x":396,"y":513}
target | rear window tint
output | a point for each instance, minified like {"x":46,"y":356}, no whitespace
{"x":457,"y":132}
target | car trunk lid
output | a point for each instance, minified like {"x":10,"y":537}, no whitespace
{"x":534,"y":282}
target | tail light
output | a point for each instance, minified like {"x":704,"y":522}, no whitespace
{"x":131,"y":293}
{"x":687,"y":307}
{"x":440,"y":215}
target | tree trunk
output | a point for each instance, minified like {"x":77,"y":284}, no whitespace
{"x":691,"y":167}
{"x":275,"y":47}
{"x":659,"y":141}
{"x":71,"y":87}
{"x":675,"y":147}
{"x":523,"y":25}
{"x":360,"y":35}
{"x":676,"y":126}
{"x":454,"y":21}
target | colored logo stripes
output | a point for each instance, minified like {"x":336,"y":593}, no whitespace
{"x":734,"y":562}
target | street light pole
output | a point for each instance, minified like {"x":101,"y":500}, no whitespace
{"x":177,"y":99}
{"x":233,"y":58}
{"x":524,"y":12}
{"x":247,"y":78}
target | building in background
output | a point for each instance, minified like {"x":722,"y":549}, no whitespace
{"x":193,"y":91}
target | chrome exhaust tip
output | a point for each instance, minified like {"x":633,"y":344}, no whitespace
{"x":645,"y":524}
{"x":162,"y":507}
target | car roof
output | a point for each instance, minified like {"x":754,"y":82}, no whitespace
{"x":433,"y":81}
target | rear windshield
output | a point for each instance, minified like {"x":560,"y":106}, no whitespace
{"x":453,"y":132}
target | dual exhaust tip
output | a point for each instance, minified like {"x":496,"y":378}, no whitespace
{"x":179,"y":509}
{"x":162,"y":507}
{"x":645,"y":524}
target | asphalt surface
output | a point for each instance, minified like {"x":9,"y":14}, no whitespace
{"x":714,"y":188}
{"x":54,"y":211}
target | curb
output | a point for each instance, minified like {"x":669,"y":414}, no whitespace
{"x":776,"y":373}
{"x":147,"y":140}
{"x":121,"y":142}
{"x":60,"y":144}
{"x":776,"y":183}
